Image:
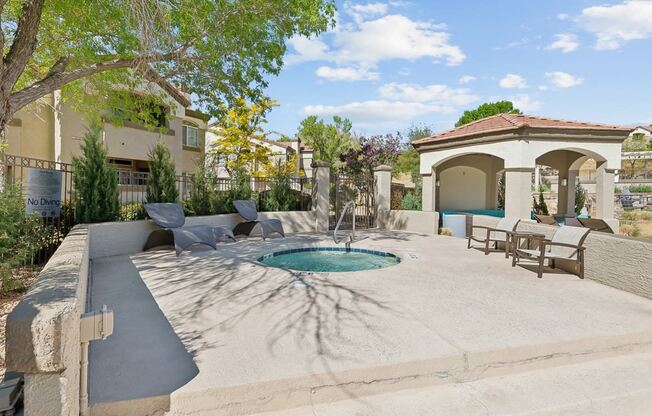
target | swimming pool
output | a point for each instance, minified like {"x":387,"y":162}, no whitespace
{"x":330,"y":259}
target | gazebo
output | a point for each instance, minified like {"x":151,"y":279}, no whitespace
{"x":461,"y":167}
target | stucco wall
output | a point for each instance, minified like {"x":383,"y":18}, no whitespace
{"x":115,"y":238}
{"x":426,"y":222}
{"x":43,"y":330}
{"x":30,"y":131}
{"x":614,"y":260}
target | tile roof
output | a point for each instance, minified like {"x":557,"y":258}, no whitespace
{"x":504,"y":123}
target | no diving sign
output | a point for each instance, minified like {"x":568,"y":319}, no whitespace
{"x":43,"y":195}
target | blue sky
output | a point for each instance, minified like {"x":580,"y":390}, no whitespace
{"x":387,"y":65}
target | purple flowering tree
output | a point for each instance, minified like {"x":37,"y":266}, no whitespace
{"x":373,"y":151}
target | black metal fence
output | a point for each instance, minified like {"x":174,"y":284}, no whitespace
{"x":297,"y":193}
{"x":358,"y":188}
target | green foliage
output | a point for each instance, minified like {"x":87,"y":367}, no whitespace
{"x":644,"y":189}
{"x":280,"y":196}
{"x":487,"y":110}
{"x":162,"y":179}
{"x":637,"y":142}
{"x":580,"y":198}
{"x":132,"y":211}
{"x":540,"y":207}
{"x":412,"y":201}
{"x":216,"y":50}
{"x":501,"y":192}
{"x":329,"y":141}
{"x":96,"y":191}
{"x":240,"y":188}
{"x":637,"y":215}
{"x":21,"y":236}
{"x":201,"y":190}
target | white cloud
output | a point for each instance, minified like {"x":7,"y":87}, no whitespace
{"x":307,"y":50}
{"x":398,"y":102}
{"x":616,"y":24}
{"x":563,"y":79}
{"x":361,"y":12}
{"x":565,"y":42}
{"x":563,"y":16}
{"x":465,"y":79}
{"x":542,"y":87}
{"x":348,"y":73}
{"x":438,"y":94}
{"x":368,"y":42}
{"x":513,"y":81}
{"x":525,"y":103}
{"x":405,"y":72}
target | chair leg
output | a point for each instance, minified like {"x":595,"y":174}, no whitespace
{"x":507,"y":247}
{"x":580,"y":259}
{"x":468,"y":244}
{"x":541,"y":263}
{"x":486,"y":247}
{"x":514,"y":257}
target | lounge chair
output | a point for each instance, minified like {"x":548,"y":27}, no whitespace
{"x":247,"y":210}
{"x":170,"y":217}
{"x":565,"y":244}
{"x":545,"y":219}
{"x":499,"y":234}
{"x":596,"y":224}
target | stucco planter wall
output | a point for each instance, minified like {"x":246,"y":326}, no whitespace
{"x":415,"y":221}
{"x":614,"y":260}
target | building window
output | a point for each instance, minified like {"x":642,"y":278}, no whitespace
{"x":190,"y":136}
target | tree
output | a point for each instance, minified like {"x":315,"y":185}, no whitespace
{"x":202,"y":187}
{"x":162,"y":179}
{"x":216,"y":50}
{"x":95,"y":182}
{"x":487,"y":110}
{"x":637,"y":142}
{"x":408,"y":160}
{"x":580,"y":198}
{"x":329,"y":141}
{"x":501,"y":192}
{"x":373,"y":152}
{"x":239,"y":138}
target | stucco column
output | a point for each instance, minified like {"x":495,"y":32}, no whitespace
{"x":429,"y":192}
{"x":383,"y":193}
{"x":573,"y":176}
{"x":562,"y":192}
{"x":604,"y":187}
{"x":321,"y":174}
{"x":518,"y":193}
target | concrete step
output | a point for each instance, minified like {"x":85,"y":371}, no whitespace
{"x":610,"y":386}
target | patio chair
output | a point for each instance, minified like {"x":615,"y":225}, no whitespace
{"x":247,"y":210}
{"x":565,"y":244}
{"x":500,"y":234}
{"x":171,"y":219}
{"x":596,"y":224}
{"x":545,"y":219}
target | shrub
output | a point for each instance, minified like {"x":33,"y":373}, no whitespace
{"x":540,"y":207}
{"x":501,"y":192}
{"x":95,"y":181}
{"x":411,"y":202}
{"x":240,"y":188}
{"x":643,"y":189}
{"x":132,"y":211}
{"x":201,"y":190}
{"x":580,"y":198}
{"x":280,"y":196}
{"x":630,"y":230}
{"x":446,"y":231}
{"x":162,"y":180}
{"x":637,"y":215}
{"x":21,"y":237}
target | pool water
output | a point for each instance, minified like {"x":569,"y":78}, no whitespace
{"x":330,"y":259}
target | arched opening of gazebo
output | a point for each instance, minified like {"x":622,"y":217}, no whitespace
{"x":461,"y":167}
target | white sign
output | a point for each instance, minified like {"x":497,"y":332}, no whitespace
{"x":43,"y":192}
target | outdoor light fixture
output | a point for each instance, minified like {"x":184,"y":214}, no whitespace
{"x":564,"y":182}
{"x":437,"y":183}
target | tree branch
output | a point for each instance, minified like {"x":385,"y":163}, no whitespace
{"x":23,"y":45}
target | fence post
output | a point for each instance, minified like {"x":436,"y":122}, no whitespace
{"x":320,"y":194}
{"x":383,"y":193}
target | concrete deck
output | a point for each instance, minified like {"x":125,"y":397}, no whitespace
{"x":214,"y":332}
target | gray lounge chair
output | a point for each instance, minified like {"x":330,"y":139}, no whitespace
{"x":566,"y":243}
{"x":247,"y":210}
{"x":170,"y":217}
{"x":596,"y":224}
{"x":499,"y":234}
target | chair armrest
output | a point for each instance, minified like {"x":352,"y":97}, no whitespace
{"x":483,"y":227}
{"x":551,"y":243}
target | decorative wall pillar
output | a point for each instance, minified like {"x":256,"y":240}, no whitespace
{"x":605,"y":193}
{"x":321,"y":174}
{"x":573,"y":177}
{"x":429,"y":192}
{"x":518,"y":193}
{"x":383,"y":193}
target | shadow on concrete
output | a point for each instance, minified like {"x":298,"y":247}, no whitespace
{"x":144,"y":357}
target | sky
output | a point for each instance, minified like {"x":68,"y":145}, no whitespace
{"x":390,"y":64}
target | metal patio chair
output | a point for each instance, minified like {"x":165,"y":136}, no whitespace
{"x":247,"y":210}
{"x":499,"y":234}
